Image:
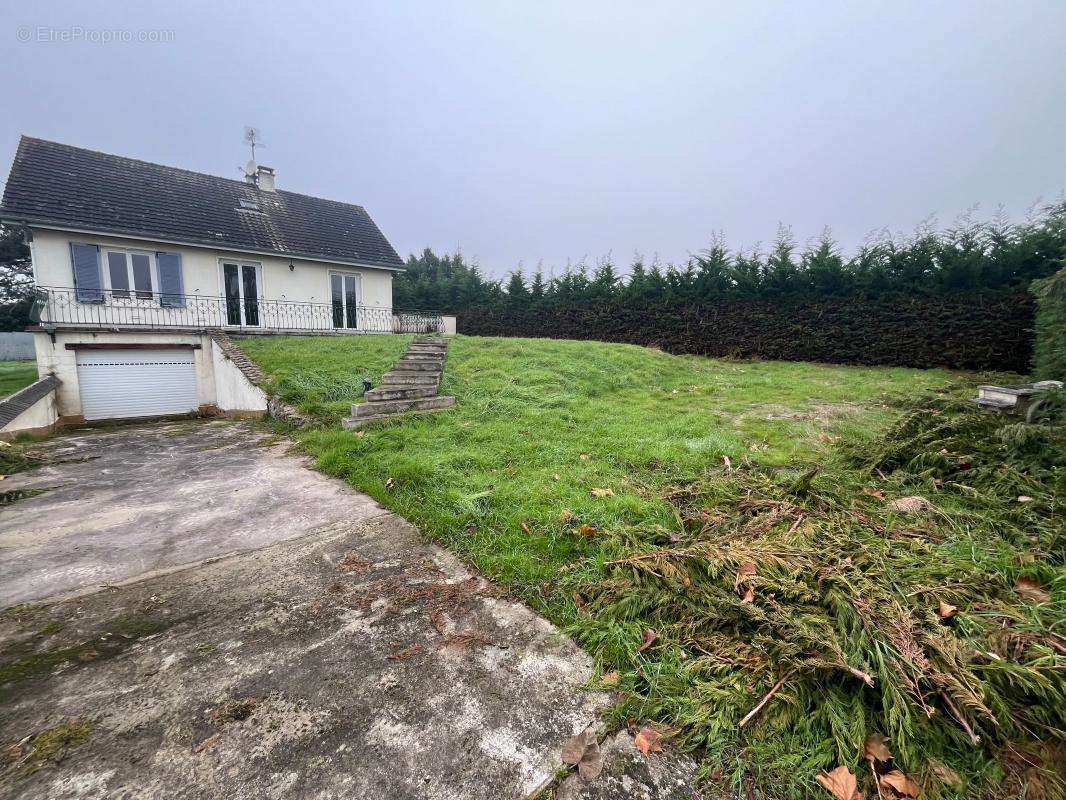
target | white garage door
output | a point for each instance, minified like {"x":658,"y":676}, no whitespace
{"x":136,"y":383}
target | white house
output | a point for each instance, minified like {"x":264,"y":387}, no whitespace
{"x":136,"y":264}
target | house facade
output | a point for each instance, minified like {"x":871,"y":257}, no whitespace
{"x":139,"y":267}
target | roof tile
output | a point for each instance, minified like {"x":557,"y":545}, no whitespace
{"x":70,"y":186}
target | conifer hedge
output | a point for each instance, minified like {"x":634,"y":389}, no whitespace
{"x":958,"y":297}
{"x":1049,"y":361}
{"x":980,"y":331}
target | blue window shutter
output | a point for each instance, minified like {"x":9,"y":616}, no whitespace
{"x":171,"y":285}
{"x":88,"y":284}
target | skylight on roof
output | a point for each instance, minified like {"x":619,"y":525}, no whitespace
{"x":250,"y":205}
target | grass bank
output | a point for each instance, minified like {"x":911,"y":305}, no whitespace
{"x":323,"y":375}
{"x":710,"y":530}
{"x":15,"y":375}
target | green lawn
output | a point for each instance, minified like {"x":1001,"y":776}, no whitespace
{"x":323,"y":375}
{"x":15,"y":375}
{"x":714,"y":471}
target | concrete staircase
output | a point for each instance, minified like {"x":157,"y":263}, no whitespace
{"x":411,"y":385}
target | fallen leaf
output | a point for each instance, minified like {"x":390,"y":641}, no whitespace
{"x":1031,"y":590}
{"x":603,"y":492}
{"x":579,"y":599}
{"x":873,"y":492}
{"x":745,"y":570}
{"x":648,"y":740}
{"x":610,"y":679}
{"x":360,"y":434}
{"x":947,"y":610}
{"x":583,"y":752}
{"x":910,"y":505}
{"x":585,"y":456}
{"x":900,"y":784}
{"x":840,"y":783}
{"x":587,"y":530}
{"x":945,"y":773}
{"x":575,"y":747}
{"x":876,"y":748}
{"x":526,"y":529}
{"x":649,"y":637}
{"x":591,"y":765}
{"x":741,"y":584}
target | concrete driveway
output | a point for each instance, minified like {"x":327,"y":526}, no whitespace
{"x":332,"y":653}
{"x":120,"y":503}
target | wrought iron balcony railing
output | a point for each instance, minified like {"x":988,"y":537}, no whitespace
{"x":106,"y":308}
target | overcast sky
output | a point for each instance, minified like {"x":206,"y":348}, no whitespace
{"x":548,"y":132}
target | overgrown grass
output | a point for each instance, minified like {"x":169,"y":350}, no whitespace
{"x":15,"y":375}
{"x":710,"y":467}
{"x":323,"y":375}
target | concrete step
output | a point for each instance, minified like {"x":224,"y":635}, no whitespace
{"x":351,"y":423}
{"x":400,"y":406}
{"x":410,"y":379}
{"x":437,"y":357}
{"x":425,"y":348}
{"x":400,"y":392}
{"x":418,"y":366}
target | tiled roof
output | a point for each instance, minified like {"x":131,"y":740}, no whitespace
{"x":52,"y":183}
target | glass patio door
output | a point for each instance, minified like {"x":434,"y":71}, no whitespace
{"x":345,"y":292}
{"x":241,"y":283}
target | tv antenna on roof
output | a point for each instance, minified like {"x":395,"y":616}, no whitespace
{"x":253,"y":137}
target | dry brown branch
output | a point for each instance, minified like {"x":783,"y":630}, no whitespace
{"x":769,"y":695}
{"x":974,"y":738}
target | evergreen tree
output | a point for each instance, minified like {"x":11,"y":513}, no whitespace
{"x":16,"y":280}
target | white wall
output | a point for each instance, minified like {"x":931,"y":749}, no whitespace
{"x":56,"y":359}
{"x":219,"y":383}
{"x":307,"y":282}
{"x":40,"y":418}
{"x":233,"y":391}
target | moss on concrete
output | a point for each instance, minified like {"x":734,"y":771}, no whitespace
{"x":51,"y":745}
{"x":21,"y":662}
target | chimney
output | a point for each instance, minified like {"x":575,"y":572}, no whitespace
{"x":264,"y":178}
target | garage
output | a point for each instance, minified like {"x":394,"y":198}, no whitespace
{"x":136,"y":381}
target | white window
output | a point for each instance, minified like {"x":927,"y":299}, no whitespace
{"x":127,"y":270}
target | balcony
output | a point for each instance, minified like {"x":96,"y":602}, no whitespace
{"x":61,"y":307}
